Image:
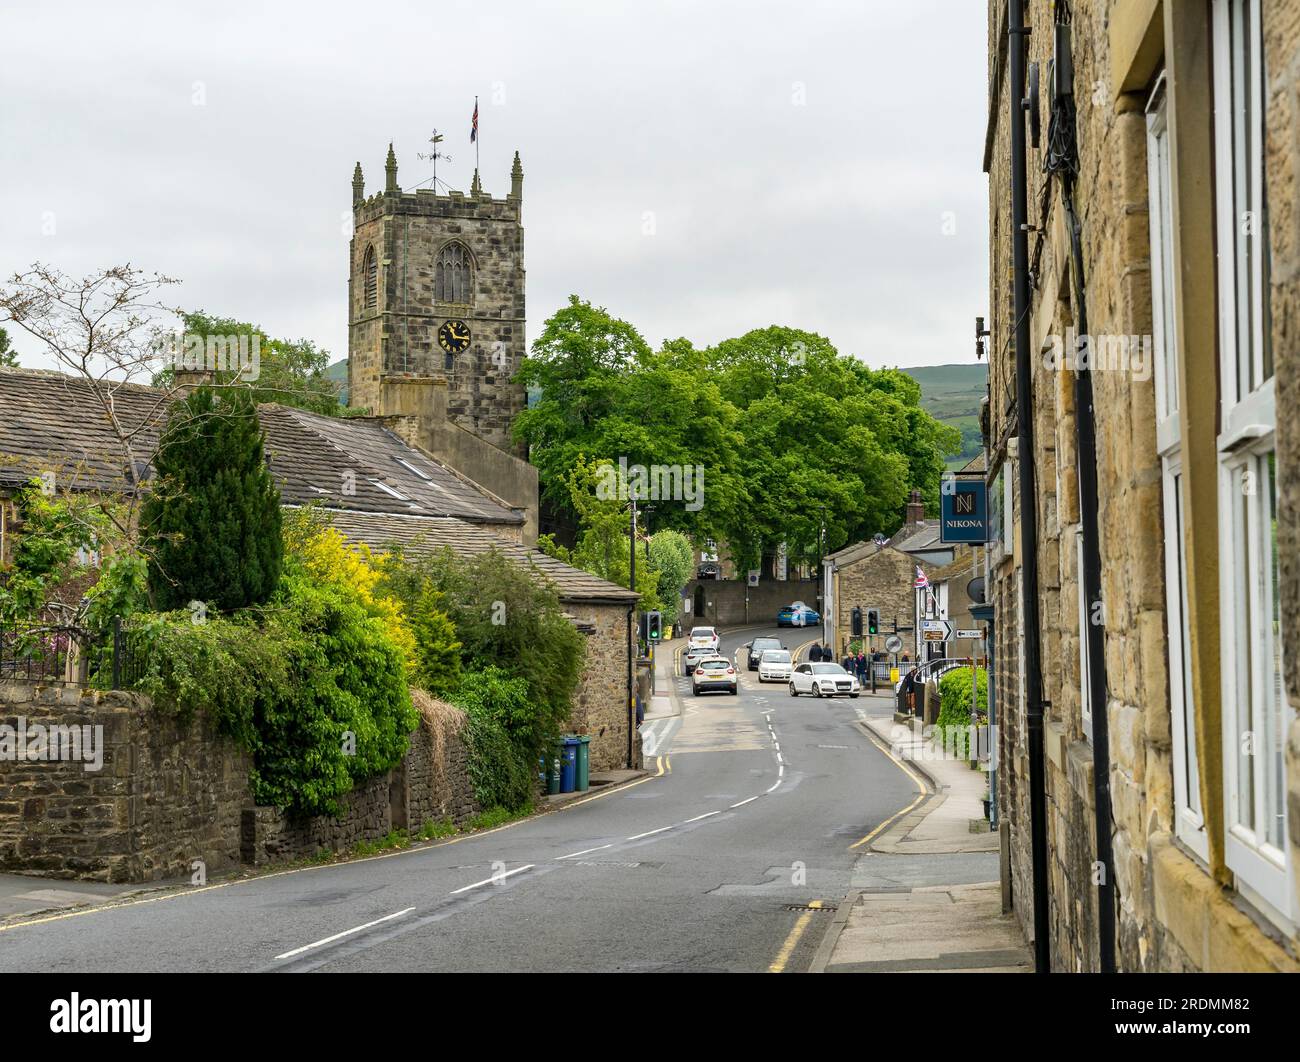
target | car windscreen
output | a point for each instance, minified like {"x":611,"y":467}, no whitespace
{"x":828,"y":669}
{"x":766,"y":643}
{"x":776,"y":656}
{"x":712,"y":665}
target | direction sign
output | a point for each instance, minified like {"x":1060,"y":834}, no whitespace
{"x":975,"y":634}
{"x":893,"y":643}
{"x":936,"y":630}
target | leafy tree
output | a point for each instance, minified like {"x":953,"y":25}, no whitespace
{"x":438,"y":651}
{"x":8,"y":356}
{"x":604,"y":526}
{"x":801,"y":446}
{"x":212,"y":523}
{"x":48,"y":552}
{"x":674,"y":560}
{"x":504,"y":616}
{"x":291,"y":372}
{"x":606,"y":395}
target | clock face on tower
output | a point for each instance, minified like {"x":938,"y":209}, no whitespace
{"x":454,"y":336}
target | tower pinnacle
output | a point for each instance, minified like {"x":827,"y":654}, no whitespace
{"x":390,"y":173}
{"x":358,"y":186}
{"x":517,"y":178}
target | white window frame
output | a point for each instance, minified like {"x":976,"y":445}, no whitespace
{"x":1189,"y":818}
{"x":1252,"y":694}
{"x":1085,"y":687}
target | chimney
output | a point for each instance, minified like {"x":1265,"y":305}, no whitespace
{"x":915,"y":509}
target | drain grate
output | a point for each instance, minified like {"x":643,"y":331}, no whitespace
{"x":822,"y":907}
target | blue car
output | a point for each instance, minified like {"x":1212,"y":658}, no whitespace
{"x":798,"y":615}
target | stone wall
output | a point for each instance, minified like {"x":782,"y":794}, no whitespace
{"x":600,"y":706}
{"x":732,"y":603}
{"x":167,"y":792}
{"x":170,"y":793}
{"x":1173,"y":912}
{"x":431,"y":784}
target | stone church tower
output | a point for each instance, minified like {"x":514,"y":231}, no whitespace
{"x":436,"y":301}
{"x":436,"y":325}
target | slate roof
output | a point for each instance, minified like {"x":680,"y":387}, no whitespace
{"x":423,"y":535}
{"x":53,"y":422}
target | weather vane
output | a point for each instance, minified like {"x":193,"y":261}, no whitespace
{"x":435,"y":155}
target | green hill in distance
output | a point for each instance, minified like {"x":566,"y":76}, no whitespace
{"x":339,"y":373}
{"x":952,"y":394}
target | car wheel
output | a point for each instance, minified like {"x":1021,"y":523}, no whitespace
{"x":794,"y":692}
{"x":853,"y":696}
{"x":818,"y":691}
{"x":733,"y":691}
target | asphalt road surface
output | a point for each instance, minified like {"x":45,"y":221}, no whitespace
{"x":731,"y":856}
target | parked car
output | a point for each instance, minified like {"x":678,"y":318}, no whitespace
{"x":714,"y":673}
{"x":798,"y":615}
{"x":823,"y":680}
{"x":692,"y":657}
{"x":775,"y":665}
{"x":758,"y":646}
{"x":703,"y":638}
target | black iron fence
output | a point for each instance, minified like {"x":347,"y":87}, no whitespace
{"x":56,"y":652}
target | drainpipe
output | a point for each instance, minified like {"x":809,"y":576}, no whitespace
{"x":1086,"y":433}
{"x":1016,"y":33}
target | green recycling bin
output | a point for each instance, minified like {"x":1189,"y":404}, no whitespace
{"x":553,"y":771}
{"x":584,"y":763}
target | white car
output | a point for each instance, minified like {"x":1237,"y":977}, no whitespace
{"x":774,"y":665}
{"x":823,"y":680}
{"x":703,"y":638}
{"x":692,"y":657}
{"x":714,"y":673}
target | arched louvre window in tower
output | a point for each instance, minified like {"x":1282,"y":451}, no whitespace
{"x":371,"y":273}
{"x":453,"y":276}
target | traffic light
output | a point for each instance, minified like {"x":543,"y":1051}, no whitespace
{"x":873,"y":621}
{"x":857,"y":622}
{"x":654,"y":626}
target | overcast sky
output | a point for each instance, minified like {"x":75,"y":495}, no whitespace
{"x":700,"y":168}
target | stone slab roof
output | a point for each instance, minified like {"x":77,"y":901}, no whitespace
{"x":53,"y":422}
{"x":423,"y":535}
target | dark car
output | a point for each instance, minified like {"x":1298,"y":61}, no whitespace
{"x":756,"y":648}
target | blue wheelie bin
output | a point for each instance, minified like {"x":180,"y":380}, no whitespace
{"x":569,"y":765}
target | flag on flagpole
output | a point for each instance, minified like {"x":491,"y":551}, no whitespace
{"x":473,"y":132}
{"x":921,"y":580}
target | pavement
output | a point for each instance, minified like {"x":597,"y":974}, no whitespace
{"x":927,"y":895}
{"x":733,"y":854}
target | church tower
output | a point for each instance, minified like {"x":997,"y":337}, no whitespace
{"x":436,"y":305}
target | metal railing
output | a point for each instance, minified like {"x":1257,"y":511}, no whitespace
{"x":60,"y":652}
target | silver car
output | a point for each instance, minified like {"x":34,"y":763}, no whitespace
{"x":823,"y":680}
{"x":774,"y":665}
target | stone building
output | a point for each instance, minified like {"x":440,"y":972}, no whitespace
{"x":436,"y":322}
{"x":1185,"y":188}
{"x":883,"y":576}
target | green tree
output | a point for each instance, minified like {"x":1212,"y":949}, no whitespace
{"x":672,"y":557}
{"x":291,"y":372}
{"x":8,"y":356}
{"x":212,"y":522}
{"x":605,"y":524}
{"x":604,"y":394}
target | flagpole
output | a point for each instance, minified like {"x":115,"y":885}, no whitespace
{"x":476,"y":133}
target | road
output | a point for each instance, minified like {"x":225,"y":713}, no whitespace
{"x":730,"y":857}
